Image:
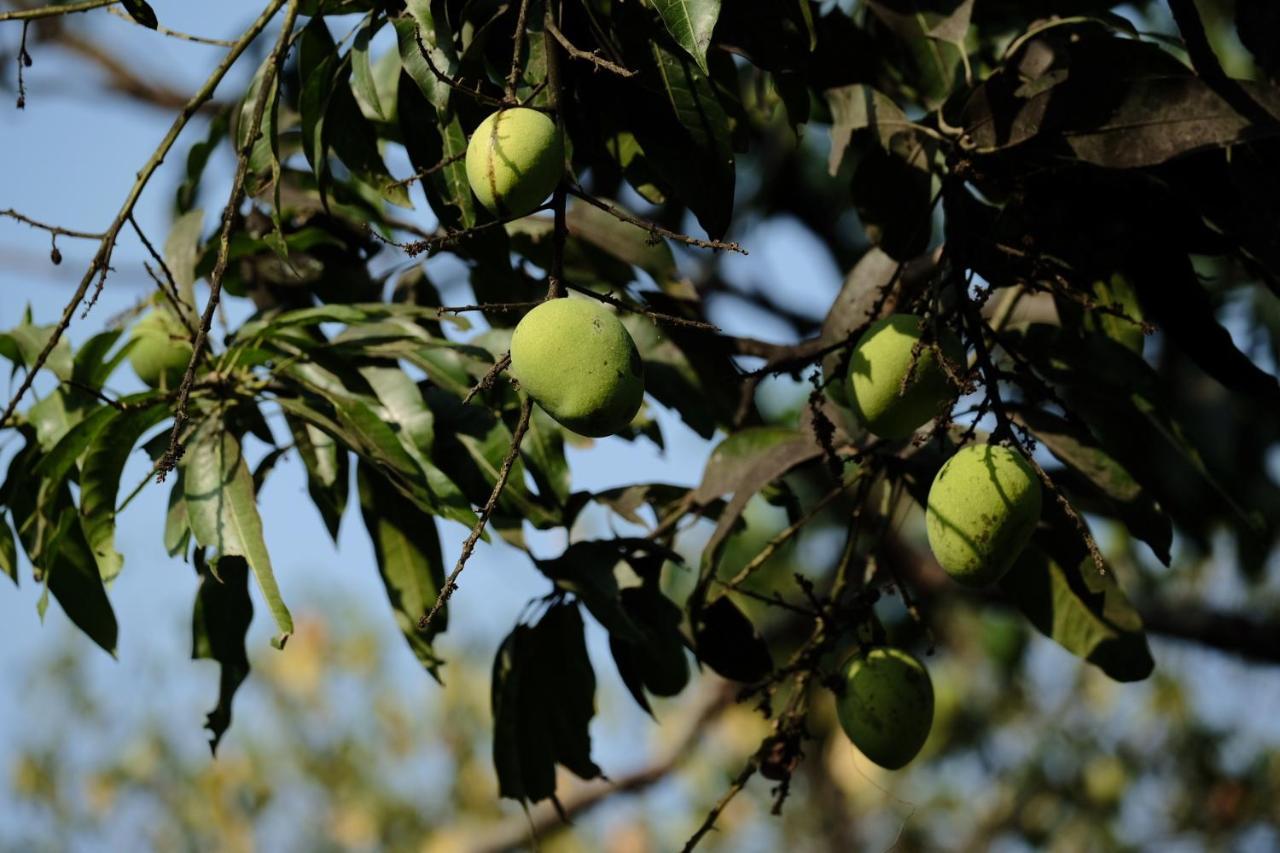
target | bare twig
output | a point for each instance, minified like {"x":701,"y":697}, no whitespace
{"x":432,"y":169}
{"x":739,"y":782}
{"x":590,"y":56}
{"x":655,"y":316}
{"x":52,"y":229}
{"x":469,"y":545}
{"x":101,"y":260}
{"x":783,"y":537}
{"x":55,"y":11}
{"x":490,"y":376}
{"x":513,"y":76}
{"x":229,"y":213}
{"x":24,"y":62}
{"x":165,"y":31}
{"x":655,"y":230}
{"x":168,"y":285}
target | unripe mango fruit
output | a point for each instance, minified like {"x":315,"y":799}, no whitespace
{"x":514,"y":161}
{"x":982,"y":508}
{"x":160,"y":351}
{"x":887,"y":705}
{"x":880,"y":361}
{"x":577,"y":361}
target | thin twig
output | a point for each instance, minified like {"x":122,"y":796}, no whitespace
{"x":55,"y":11}
{"x":24,"y":62}
{"x":52,"y":229}
{"x":771,"y":547}
{"x":469,"y":545}
{"x":229,"y":213}
{"x":590,"y":56}
{"x":101,"y":260}
{"x":456,"y":83}
{"x":709,"y":822}
{"x":165,"y":31}
{"x":432,"y":169}
{"x":513,"y":76}
{"x":655,"y":230}
{"x":655,"y":316}
{"x":490,"y":376}
{"x":168,"y":285}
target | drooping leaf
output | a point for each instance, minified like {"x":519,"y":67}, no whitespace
{"x":141,"y":11}
{"x":726,"y":641}
{"x":1056,"y":584}
{"x":407,"y":547}
{"x":223,"y":511}
{"x":219,"y":623}
{"x":327,"y":471}
{"x":104,"y":462}
{"x":543,"y":700}
{"x":1134,"y":505}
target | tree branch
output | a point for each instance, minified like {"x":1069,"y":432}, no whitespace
{"x":589,"y":56}
{"x":55,"y":11}
{"x":275,"y":62}
{"x":1210,"y":69}
{"x":101,"y":260}
{"x":469,"y":545}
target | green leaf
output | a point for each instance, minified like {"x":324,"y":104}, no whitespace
{"x":8,"y":551}
{"x":1056,"y":584}
{"x":327,"y":471}
{"x":543,"y":451}
{"x":362,"y":77}
{"x":23,"y":343}
{"x":177,"y":531}
{"x":223,"y":511}
{"x":104,"y":462}
{"x":657,"y":663}
{"x":1133,"y":504}
{"x":219,"y":624}
{"x":690,"y":23}
{"x":430,"y":22}
{"x":93,"y":363}
{"x":434,"y":136}
{"x":407,"y":547}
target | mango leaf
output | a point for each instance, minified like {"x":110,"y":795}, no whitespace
{"x":223,"y":511}
{"x":362,"y":78}
{"x":543,"y":696}
{"x":177,"y":530}
{"x":690,"y":23}
{"x":23,"y":343}
{"x":543,"y":452}
{"x":50,"y":532}
{"x":8,"y":551}
{"x":657,"y":663}
{"x":94,"y":362}
{"x":219,"y":623}
{"x":726,"y":641}
{"x":327,"y":471}
{"x":1056,"y":584}
{"x":1258,"y":25}
{"x":104,"y":462}
{"x":1123,"y":104}
{"x":1133,"y":504}
{"x":430,"y":23}
{"x":435,"y":140}
{"x":407,"y":547}
{"x":141,"y":12}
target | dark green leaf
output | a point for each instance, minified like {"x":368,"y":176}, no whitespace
{"x":223,"y":611}
{"x":141,"y":12}
{"x":407,"y":547}
{"x":727,"y":642}
{"x":104,"y":462}
{"x":1133,"y":504}
{"x":327,"y":471}
{"x":1056,"y":584}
